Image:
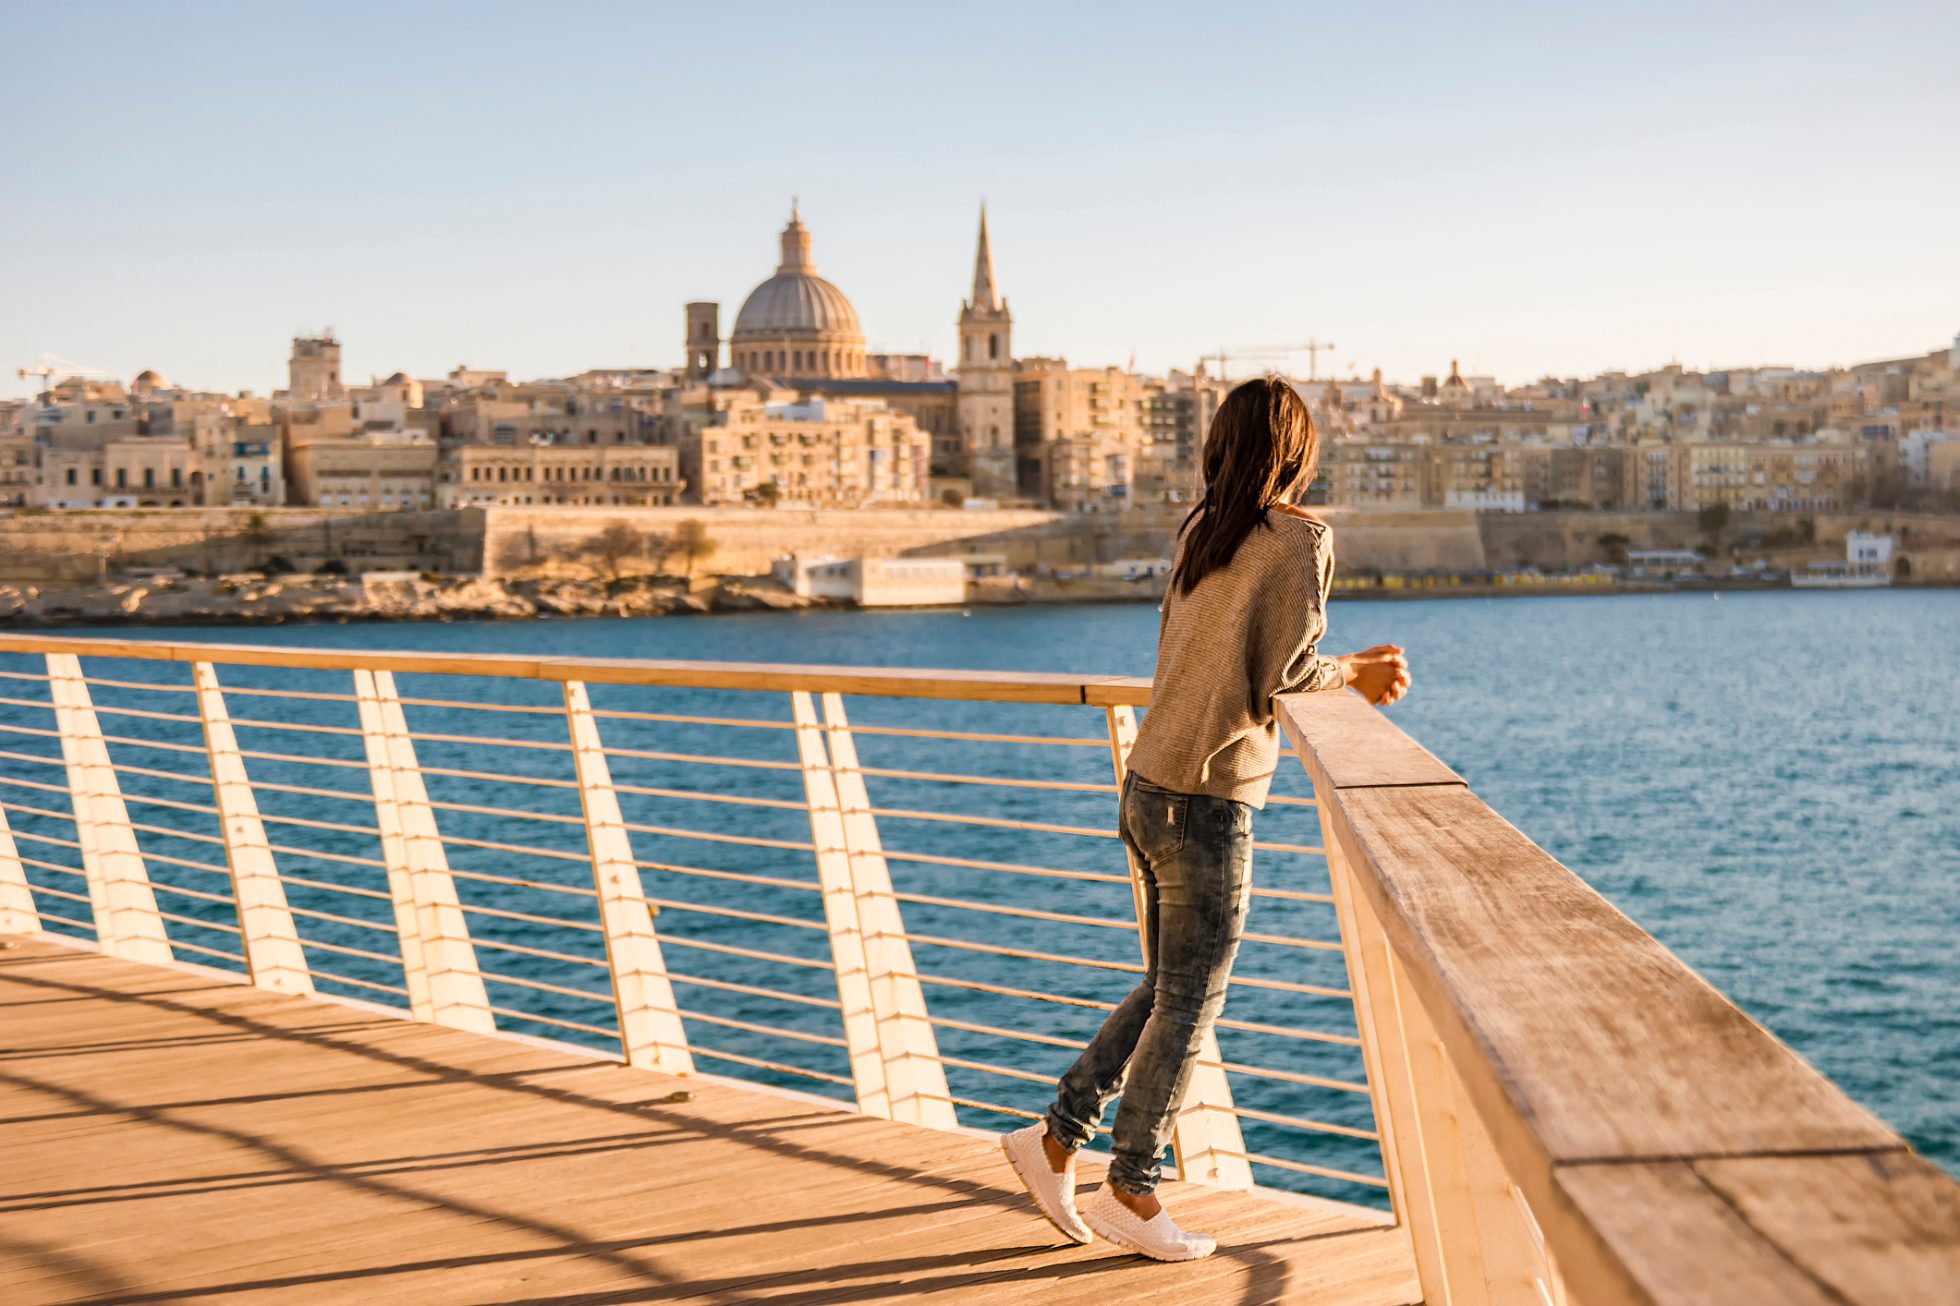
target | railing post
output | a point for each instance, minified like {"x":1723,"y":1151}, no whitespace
{"x":650,"y":1031}
{"x":915,"y":1079}
{"x":1367,"y":1016}
{"x":17,"y":913}
{"x":1517,"y":1266}
{"x":273,"y":955}
{"x":124,"y":907}
{"x":1385,"y":1052}
{"x":438,"y":960}
{"x":840,"y":910}
{"x":1210,"y":1146}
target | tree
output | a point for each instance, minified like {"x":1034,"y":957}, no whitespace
{"x":767,"y":494}
{"x":615,"y":545}
{"x":693,"y":543}
{"x":1713,"y":520}
{"x":1615,"y":545}
{"x":660,"y":547}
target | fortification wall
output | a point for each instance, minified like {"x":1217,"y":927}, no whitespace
{"x":80,"y":544}
{"x":747,"y":540}
{"x":1396,"y":542}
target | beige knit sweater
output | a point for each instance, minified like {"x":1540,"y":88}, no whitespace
{"x":1247,"y":632}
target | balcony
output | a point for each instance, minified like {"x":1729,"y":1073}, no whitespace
{"x":347,"y":949}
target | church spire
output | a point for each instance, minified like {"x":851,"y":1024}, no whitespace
{"x":985,"y":299}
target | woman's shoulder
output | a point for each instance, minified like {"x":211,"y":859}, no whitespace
{"x":1295,"y":523}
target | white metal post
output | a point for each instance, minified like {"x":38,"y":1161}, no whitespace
{"x":125,"y":907}
{"x":17,"y":913}
{"x":1210,"y":1146}
{"x":840,"y":910}
{"x":915,"y":1079}
{"x":272,"y":948}
{"x":1386,"y":1057}
{"x":650,"y":1030}
{"x":438,"y":960}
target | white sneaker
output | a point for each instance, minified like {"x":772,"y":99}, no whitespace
{"x":1159,"y":1238}
{"x":1054,"y":1194}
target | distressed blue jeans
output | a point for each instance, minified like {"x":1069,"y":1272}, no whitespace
{"x":1195,"y":856}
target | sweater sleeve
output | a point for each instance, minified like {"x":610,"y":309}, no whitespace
{"x":1304,"y":668}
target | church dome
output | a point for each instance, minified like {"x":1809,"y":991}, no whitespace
{"x":795,"y":302}
{"x":148,"y":379}
{"x":796,"y":299}
{"x":796,"y":323}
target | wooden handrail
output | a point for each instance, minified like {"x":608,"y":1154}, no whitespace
{"x":1671,"y":1149}
{"x":985,"y":686}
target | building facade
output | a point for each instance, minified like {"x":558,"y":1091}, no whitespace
{"x":810,"y":450}
{"x":573,"y":475}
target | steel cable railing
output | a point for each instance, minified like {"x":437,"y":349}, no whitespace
{"x":945,"y":979}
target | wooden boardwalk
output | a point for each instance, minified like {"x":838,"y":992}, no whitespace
{"x":171,"y":1136}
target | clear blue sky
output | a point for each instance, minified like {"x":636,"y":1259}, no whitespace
{"x":1535,"y":188}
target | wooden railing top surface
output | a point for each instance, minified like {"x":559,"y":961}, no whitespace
{"x":890,"y":682}
{"x":1675,"y":1149}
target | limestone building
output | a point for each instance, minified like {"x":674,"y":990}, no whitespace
{"x":813,"y":450}
{"x":1078,"y":432}
{"x":382,"y":470}
{"x":16,"y":469}
{"x":313,"y":370}
{"x":582,"y":475}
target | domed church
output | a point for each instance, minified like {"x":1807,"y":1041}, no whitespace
{"x":796,"y":324}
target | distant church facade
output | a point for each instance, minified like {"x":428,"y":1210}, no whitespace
{"x":799,"y":331}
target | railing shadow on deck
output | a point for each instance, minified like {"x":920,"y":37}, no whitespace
{"x":384,"y":1177}
{"x":1556,"y":1108}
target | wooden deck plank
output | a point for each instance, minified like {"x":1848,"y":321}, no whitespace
{"x":175,"y":1136}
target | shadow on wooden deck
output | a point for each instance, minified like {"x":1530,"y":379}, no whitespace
{"x":175,"y":1136}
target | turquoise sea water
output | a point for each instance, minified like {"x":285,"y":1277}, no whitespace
{"x":1768,"y":782}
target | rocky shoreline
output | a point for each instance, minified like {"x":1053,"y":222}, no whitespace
{"x":254,"y":600}
{"x":249,"y":600}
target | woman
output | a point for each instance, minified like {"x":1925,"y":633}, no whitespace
{"x":1245,"y":608}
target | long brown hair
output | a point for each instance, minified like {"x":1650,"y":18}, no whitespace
{"x":1260,"y":450}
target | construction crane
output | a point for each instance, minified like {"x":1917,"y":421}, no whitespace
{"x":1268,"y":353}
{"x":47,"y":367}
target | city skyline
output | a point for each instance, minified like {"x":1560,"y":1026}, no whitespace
{"x":1757,"y":188}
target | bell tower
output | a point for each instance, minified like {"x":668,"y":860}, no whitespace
{"x":703,"y":340}
{"x":986,"y":380}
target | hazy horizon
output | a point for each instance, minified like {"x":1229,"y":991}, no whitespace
{"x":1534,"y":191}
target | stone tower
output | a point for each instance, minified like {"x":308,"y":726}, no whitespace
{"x":703,"y":340}
{"x":313,"y":371}
{"x":986,"y":380}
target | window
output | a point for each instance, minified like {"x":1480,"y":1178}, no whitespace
{"x":71,"y":476}
{"x":993,"y":345}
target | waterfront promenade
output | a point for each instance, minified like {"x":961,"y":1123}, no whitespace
{"x":1556,"y":1108}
